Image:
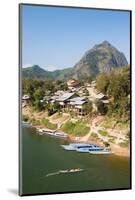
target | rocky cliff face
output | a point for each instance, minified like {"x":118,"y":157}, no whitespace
{"x":101,"y":58}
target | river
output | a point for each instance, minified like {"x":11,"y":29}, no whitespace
{"x":43,"y":154}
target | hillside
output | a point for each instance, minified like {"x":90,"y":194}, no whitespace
{"x":101,"y":58}
{"x":35,"y":72}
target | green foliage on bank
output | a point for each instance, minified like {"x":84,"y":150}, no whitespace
{"x":124,"y":144}
{"x":116,"y":85}
{"x":48,"y":124}
{"x":94,"y":135}
{"x":25,"y":118}
{"x":103,"y":132}
{"x":78,"y":128}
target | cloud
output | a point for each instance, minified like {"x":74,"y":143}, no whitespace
{"x":27,"y":65}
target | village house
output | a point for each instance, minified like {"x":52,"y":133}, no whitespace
{"x":72,"y":102}
{"x":75,"y":102}
{"x":25,"y":99}
{"x":64,"y":99}
{"x":77,"y":105}
{"x":100,"y":96}
{"x":72,"y":84}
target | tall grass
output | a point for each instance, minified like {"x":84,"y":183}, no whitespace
{"x":48,"y":124}
{"x":78,"y":128}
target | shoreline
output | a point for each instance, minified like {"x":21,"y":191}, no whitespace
{"x":116,"y":150}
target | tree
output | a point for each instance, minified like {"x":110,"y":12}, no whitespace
{"x":102,"y":82}
{"x":88,"y":107}
{"x":101,"y":107}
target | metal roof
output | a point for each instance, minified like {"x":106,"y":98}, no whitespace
{"x":65,"y":96}
{"x":77,"y":99}
{"x":100,"y":96}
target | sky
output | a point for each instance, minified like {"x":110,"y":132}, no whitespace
{"x":57,"y":38}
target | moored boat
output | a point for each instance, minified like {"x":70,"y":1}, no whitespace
{"x":87,"y":148}
{"x":75,"y":146}
{"x":105,"y":150}
{"x":60,"y":134}
{"x":43,"y":131}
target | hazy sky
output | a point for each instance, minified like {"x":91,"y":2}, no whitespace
{"x":56,"y":38}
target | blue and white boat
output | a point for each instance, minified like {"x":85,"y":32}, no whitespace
{"x":104,"y":150}
{"x":74,"y":146}
{"x":87,"y":148}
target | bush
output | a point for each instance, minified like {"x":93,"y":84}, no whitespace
{"x":81,"y":129}
{"x":94,"y":135}
{"x":101,"y":107}
{"x":124,"y":144}
{"x":48,"y":124}
{"x":35,"y":122}
{"x":111,"y":140}
{"x":78,"y":128}
{"x":103,"y":133}
{"x":68,"y":127}
{"x":106,"y":144}
{"x":25,"y":118}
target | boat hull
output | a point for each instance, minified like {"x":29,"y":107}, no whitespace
{"x":100,"y":152}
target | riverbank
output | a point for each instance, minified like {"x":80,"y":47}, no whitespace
{"x":88,"y":138}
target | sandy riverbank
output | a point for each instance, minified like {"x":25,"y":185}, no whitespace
{"x":116,"y":149}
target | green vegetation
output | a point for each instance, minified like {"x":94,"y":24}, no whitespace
{"x":88,"y":108}
{"x":103,"y":133}
{"x":111,"y":139}
{"x":78,"y":128}
{"x":37,"y":89}
{"x":101,"y":107}
{"x":36,"y":72}
{"x":116,"y":85}
{"x":25,"y":118}
{"x":124,"y":144}
{"x":53,"y":108}
{"x":108,"y":122}
{"x":35,"y":122}
{"x":94,"y":135}
{"x":106,"y":144}
{"x":48,"y":124}
{"x":102,"y":82}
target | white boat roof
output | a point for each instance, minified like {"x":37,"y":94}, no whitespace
{"x":80,"y":144}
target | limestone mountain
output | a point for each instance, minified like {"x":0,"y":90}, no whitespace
{"x":101,"y":58}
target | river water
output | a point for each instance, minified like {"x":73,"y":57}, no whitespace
{"x":42,"y":155}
